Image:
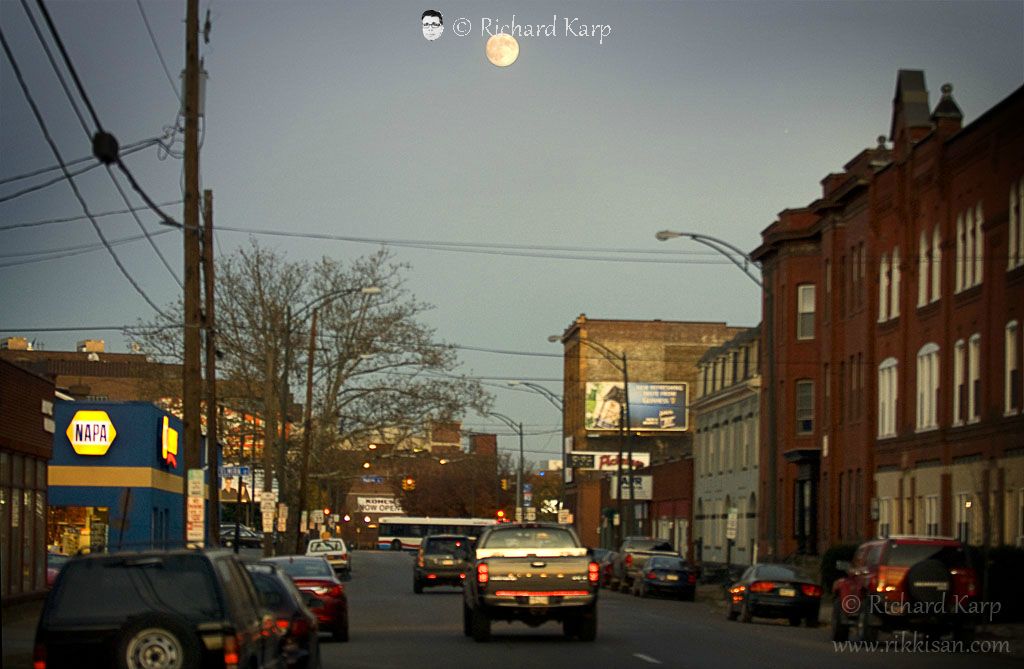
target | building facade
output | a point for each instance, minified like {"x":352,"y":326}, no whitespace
{"x":892,"y":311}
{"x":726,"y":414}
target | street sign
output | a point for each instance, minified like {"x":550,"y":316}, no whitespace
{"x":527,"y":498}
{"x":195,"y":483}
{"x":373,"y":479}
{"x":732,"y":520}
{"x":91,"y":432}
{"x":531,"y":513}
{"x":268,"y":505}
{"x":268,"y":521}
{"x":194,"y":529}
{"x":316,"y":516}
{"x":233,"y":472}
{"x":564,"y":517}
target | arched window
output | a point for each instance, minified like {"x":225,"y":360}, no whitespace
{"x":959,"y":382}
{"x":927,"y":387}
{"x":936,"y":264}
{"x":974,"y":378}
{"x":883,"y":289}
{"x":1011,"y":392}
{"x":922,"y":269}
{"x":894,"y":311}
{"x":888,"y":384}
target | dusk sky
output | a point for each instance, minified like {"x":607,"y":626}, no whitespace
{"x":339,"y":118}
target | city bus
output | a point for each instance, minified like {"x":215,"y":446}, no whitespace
{"x":406,"y":532}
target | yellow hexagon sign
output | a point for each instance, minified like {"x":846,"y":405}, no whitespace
{"x":91,"y":432}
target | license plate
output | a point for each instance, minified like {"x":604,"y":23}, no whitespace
{"x":447,"y":563}
{"x":787,"y":592}
{"x":535,"y":599}
{"x":672,"y":577}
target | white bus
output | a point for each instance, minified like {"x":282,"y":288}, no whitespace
{"x":406,"y":532}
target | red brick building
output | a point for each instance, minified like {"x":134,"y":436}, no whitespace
{"x":892,"y":336}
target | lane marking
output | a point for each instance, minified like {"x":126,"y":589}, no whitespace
{"x":646,"y":658}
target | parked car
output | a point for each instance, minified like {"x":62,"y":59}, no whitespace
{"x":297,"y":626}
{"x":774,"y":591}
{"x":247,"y":537}
{"x":633,"y":553}
{"x":181,"y":609}
{"x":906,"y":583}
{"x":334,"y":551}
{"x":443,"y":559}
{"x":604,"y":558}
{"x":667,"y":575}
{"x":54,"y":563}
{"x":315,"y":577}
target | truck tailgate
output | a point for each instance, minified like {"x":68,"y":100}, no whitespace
{"x":538,"y":575}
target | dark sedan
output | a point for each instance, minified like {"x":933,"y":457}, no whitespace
{"x":297,"y":626}
{"x":315,"y":577}
{"x":774,"y":591}
{"x":667,"y":575}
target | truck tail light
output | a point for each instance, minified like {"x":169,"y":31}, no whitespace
{"x":39,"y":656}
{"x":964,"y":584}
{"x":482,"y":573}
{"x":230,"y":651}
{"x":629,"y":559}
{"x":593,"y":573}
{"x":762,"y":586}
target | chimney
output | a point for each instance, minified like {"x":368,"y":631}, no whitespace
{"x":16,"y":344}
{"x":91,"y":346}
{"x":947,"y":116}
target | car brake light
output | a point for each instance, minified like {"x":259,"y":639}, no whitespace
{"x":629,"y":560}
{"x":39,"y":656}
{"x":762,"y":586}
{"x":651,"y":575}
{"x":282,"y":625}
{"x":963,"y":582}
{"x":691,"y":578}
{"x":230,"y":651}
{"x":889,"y":578}
{"x":593,"y":573}
{"x":810,"y":590}
{"x":300,"y":627}
{"x":482,"y":573}
{"x":420,"y":562}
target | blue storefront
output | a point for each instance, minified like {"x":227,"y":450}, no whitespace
{"x":117,"y":478}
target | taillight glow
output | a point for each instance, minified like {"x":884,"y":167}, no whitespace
{"x":762,"y":586}
{"x":39,"y":656}
{"x":651,"y":576}
{"x":431,"y":576}
{"x":629,"y":559}
{"x":963,"y":582}
{"x":810,"y":590}
{"x":230,"y":652}
{"x":889,"y":578}
{"x":482,"y":573}
{"x":593,"y":573}
{"x":691,"y":578}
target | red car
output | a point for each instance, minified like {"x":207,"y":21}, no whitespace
{"x":324,"y":593}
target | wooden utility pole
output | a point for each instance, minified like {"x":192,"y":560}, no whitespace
{"x":191,"y":373}
{"x":213,"y":515}
{"x":307,"y":429}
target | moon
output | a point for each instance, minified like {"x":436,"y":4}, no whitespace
{"x":502,"y":49}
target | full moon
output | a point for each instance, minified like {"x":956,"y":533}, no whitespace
{"x":502,"y":49}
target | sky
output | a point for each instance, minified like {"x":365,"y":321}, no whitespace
{"x":339,"y":118}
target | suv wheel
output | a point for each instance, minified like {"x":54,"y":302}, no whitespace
{"x":417,"y":586}
{"x":467,"y":620}
{"x":157,"y":641}
{"x":480,"y":626}
{"x":587,"y":626}
{"x":928,"y":582}
{"x":840,"y":627}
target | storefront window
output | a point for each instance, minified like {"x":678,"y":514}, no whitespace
{"x":75,"y":528}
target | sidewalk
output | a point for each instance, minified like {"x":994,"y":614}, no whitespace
{"x":19,"y":631}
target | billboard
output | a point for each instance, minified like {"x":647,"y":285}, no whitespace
{"x":606,"y":461}
{"x":653,"y":407}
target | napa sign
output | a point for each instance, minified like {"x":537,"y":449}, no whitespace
{"x":91,"y":432}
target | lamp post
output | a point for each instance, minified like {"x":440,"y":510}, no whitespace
{"x":620,"y":362}
{"x":559,"y":404}
{"x":747,"y":265}
{"x":307,"y":420}
{"x":517,"y":428}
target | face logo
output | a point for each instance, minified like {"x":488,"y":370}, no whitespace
{"x":169,"y":444}
{"x":433,"y":24}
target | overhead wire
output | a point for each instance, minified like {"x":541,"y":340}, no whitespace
{"x":69,"y":219}
{"x":159,"y":54}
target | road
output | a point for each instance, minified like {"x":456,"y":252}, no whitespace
{"x":392,"y":627}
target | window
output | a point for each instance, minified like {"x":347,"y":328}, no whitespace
{"x":961,"y":246}
{"x":887,"y":393}
{"x":804,"y":407}
{"x":963,"y":516}
{"x":894,"y":311}
{"x":970,"y":248}
{"x":1011,"y":392}
{"x":884,"y":517}
{"x":979,"y":245}
{"x":959,"y":383}
{"x":805,"y":312}
{"x":936,"y":264}
{"x":883,"y":289}
{"x":927,"y":387}
{"x":827,"y":306}
{"x":974,"y":378}
{"x":931,"y":515}
{"x":1016,"y":225}
{"x":922,"y":270}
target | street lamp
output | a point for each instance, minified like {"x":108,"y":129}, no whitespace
{"x":619,"y":361}
{"x":559,"y":404}
{"x":518,"y":428}
{"x":307,"y":421}
{"x":725,"y":248}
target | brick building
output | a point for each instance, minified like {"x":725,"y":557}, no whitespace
{"x":892,"y":341}
{"x":657,"y":352}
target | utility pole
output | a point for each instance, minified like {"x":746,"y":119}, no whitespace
{"x":307,"y":428}
{"x":191,"y":372}
{"x":213,"y":515}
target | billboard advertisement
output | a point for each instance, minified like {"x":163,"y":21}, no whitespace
{"x":653,"y":407}
{"x":606,"y":461}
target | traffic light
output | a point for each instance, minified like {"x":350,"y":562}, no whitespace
{"x":408,"y":483}
{"x":504,"y":484}
{"x":327,"y":511}
{"x":500,"y":515}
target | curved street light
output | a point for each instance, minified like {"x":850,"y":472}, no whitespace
{"x":619,"y":362}
{"x":559,"y":404}
{"x":725,"y":248}
{"x":517,"y":428}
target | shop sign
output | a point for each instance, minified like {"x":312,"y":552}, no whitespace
{"x":169,"y":444}
{"x":91,"y":432}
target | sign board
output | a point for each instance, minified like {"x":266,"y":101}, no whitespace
{"x":235,"y":471}
{"x":606,"y":461}
{"x":268,"y":505}
{"x":531,"y":513}
{"x":379,"y":505}
{"x":168,"y":444}
{"x":282,"y":524}
{"x":566,"y":449}
{"x":643,"y":487}
{"x":195,"y":483}
{"x":194,"y":526}
{"x":91,"y":432}
{"x":731,"y":521}
{"x":268,"y":521}
{"x":316,"y":516}
{"x":373,"y":479}
{"x":653,"y":407}
{"x":282,"y":511}
{"x":564,"y":517}
{"x":304,"y":521}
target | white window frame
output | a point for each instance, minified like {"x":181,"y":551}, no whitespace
{"x":1012,"y":364}
{"x":931,"y":515}
{"x":927,"y":387}
{"x":801,"y":418}
{"x":959,"y":371}
{"x":936,"y":264}
{"x":922,"y":269}
{"x":961,"y":244}
{"x":805,"y":305}
{"x":883,"y":289}
{"x":962,"y":514}
{"x":894,"y":311}
{"x":884,"y":517}
{"x":979,"y":245}
{"x":1015,"y":257}
{"x":888,"y":389}
{"x":973,"y":378}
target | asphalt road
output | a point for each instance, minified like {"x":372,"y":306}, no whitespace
{"x":391,"y":626}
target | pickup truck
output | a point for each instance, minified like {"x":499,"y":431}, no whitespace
{"x":533,"y":573}
{"x":634,"y":553}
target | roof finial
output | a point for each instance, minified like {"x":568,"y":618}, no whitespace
{"x":881,"y":141}
{"x":947,"y":90}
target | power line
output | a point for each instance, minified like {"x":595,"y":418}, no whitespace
{"x":69,"y":219}
{"x":152,"y":38}
{"x":71,"y":181}
{"x":67,"y":252}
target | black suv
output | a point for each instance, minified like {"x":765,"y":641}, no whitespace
{"x":182,"y":609}
{"x":443,"y":559}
